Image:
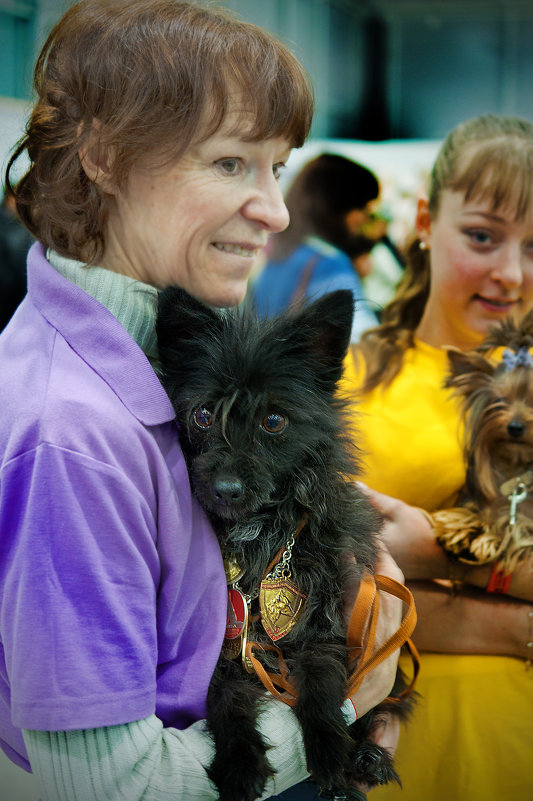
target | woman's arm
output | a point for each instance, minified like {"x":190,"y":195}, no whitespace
{"x":144,"y":761}
{"x":409,"y":535}
{"x":471,"y":622}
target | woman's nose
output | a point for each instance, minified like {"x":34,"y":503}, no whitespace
{"x":267,"y":207}
{"x":509,"y":270}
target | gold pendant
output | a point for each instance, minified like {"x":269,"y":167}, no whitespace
{"x":232,"y":569}
{"x":280,"y":603}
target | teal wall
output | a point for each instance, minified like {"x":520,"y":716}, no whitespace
{"x":381,"y":69}
{"x":326,"y":35}
{"x":17,"y":34}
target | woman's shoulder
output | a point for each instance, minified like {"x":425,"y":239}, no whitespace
{"x":52,"y":394}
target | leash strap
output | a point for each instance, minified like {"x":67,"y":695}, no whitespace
{"x":364,"y":615}
{"x":360,"y":638}
{"x":273,"y":680}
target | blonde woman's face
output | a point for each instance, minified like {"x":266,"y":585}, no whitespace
{"x":481,"y":269}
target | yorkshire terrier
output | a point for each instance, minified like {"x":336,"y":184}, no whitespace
{"x":493,"y":519}
{"x":270,"y":459}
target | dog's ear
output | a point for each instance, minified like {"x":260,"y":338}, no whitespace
{"x":182,"y":324}
{"x":181,"y":318}
{"x":526,"y":330}
{"x":323,"y":329}
{"x":468,"y":370}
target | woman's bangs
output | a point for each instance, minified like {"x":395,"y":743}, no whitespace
{"x":503,"y":180}
{"x":274,"y":95}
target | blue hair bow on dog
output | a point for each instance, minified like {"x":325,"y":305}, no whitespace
{"x":522,"y":358}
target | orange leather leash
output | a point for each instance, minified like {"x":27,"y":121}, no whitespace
{"x":360,"y":639}
{"x":362,"y":630}
{"x":271,"y":681}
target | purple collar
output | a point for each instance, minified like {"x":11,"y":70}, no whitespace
{"x":99,"y":339}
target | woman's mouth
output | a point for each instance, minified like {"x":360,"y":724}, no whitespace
{"x":238,"y":250}
{"x":496,"y":305}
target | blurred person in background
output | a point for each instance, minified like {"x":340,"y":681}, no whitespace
{"x":15,"y":241}
{"x":327,"y":244}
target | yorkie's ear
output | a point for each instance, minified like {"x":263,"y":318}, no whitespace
{"x":468,"y":370}
{"x":526,"y":326}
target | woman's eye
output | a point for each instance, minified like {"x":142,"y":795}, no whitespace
{"x":274,"y":423}
{"x":203,"y":417}
{"x":478,"y":237}
{"x":277,"y":169}
{"x":229,"y":166}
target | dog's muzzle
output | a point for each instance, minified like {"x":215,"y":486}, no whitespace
{"x":227,"y":490}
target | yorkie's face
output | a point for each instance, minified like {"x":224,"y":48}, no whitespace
{"x":502,"y":417}
{"x":495,"y":382}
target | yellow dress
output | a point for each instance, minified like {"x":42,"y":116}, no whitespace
{"x":471,"y":737}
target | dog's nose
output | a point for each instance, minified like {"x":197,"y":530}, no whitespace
{"x":227,"y":490}
{"x":516,"y":428}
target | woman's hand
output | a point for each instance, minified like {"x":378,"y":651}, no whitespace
{"x":378,"y":683}
{"x":408,"y":534}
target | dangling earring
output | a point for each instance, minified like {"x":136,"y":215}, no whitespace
{"x":423,"y":245}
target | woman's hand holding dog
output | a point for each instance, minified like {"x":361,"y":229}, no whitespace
{"x":408,"y":534}
{"x":378,"y":683}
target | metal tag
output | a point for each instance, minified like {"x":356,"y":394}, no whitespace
{"x":280,"y":603}
{"x":236,"y":624}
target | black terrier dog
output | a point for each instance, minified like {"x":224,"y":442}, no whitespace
{"x":271,"y":461}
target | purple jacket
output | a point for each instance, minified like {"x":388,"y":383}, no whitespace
{"x":112,"y":589}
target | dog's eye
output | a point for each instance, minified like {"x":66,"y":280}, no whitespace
{"x":274,"y":423}
{"x":203,"y":417}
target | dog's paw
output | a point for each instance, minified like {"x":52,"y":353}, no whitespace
{"x":239,"y":780}
{"x":327,"y":759}
{"x":373,"y":765}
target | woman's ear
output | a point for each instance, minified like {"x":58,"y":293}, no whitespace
{"x":97,"y":159}
{"x":423,"y":221}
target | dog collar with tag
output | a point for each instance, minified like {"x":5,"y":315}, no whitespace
{"x":280,"y":601}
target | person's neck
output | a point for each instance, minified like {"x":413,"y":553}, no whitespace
{"x":434,"y":331}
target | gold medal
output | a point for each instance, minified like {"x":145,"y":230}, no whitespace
{"x":280,"y":603}
{"x":232,"y":569}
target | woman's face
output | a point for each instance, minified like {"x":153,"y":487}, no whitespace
{"x":481,"y":269}
{"x":200,"y":223}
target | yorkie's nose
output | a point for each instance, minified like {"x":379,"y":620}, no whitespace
{"x":516,"y":428}
{"x":227,"y":490}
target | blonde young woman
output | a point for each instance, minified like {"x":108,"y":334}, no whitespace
{"x":471,"y":266}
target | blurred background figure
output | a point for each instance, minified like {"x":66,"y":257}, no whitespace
{"x":327,"y":245}
{"x":15,"y":241}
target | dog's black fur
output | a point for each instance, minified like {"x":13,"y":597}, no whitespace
{"x":273,"y":446}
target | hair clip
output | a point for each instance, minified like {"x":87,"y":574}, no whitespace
{"x":522,"y":358}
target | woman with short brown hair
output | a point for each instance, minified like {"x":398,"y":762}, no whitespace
{"x":155,"y":146}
